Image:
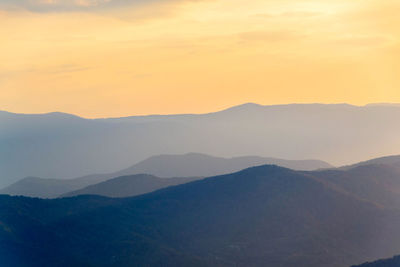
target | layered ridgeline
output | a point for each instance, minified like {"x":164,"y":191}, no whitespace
{"x":261,"y":216}
{"x":378,"y":183}
{"x":59,"y":145}
{"x":188,"y":165}
{"x":128,"y":186}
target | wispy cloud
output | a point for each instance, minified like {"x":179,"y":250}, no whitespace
{"x":71,"y":5}
{"x":59,"y":69}
{"x":66,"y":68}
{"x":359,"y":41}
{"x":271,"y":36}
{"x":52,"y":5}
{"x":288,"y":15}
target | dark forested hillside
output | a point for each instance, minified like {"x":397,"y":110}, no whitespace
{"x":262,"y":216}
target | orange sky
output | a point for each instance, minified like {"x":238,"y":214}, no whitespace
{"x":99,"y":59}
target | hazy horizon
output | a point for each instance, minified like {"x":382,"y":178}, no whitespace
{"x":390,"y":104}
{"x":60,"y":145}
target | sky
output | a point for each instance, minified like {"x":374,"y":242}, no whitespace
{"x":111,"y":58}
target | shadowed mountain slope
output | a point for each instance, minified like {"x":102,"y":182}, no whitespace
{"x":64,"y":146}
{"x":262,"y":216}
{"x":378,"y":183}
{"x":188,"y":165}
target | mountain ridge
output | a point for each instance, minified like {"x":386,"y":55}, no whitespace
{"x":266,"y":215}
{"x":393,"y":160}
{"x":165,"y":166}
{"x":239,"y":106}
{"x":129,"y":186}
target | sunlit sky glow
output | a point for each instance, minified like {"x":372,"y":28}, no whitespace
{"x":102,"y":58}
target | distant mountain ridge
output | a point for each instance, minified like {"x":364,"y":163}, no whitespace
{"x":45,"y":188}
{"x":65,"y":146}
{"x":197,"y":164}
{"x":165,"y":166}
{"x":248,"y":104}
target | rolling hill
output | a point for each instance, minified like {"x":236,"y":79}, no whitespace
{"x":128,"y":186}
{"x":261,"y":216}
{"x":188,"y":165}
{"x":377,"y":183}
{"x":47,"y":188}
{"x":388,"y":160}
{"x":197,"y":164}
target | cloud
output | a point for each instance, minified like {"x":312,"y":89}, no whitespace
{"x":362,"y":41}
{"x":67,"y":68}
{"x":271,"y":36}
{"x":60,"y":69}
{"x":380,"y":16}
{"x":70,"y":5}
{"x":288,"y":15}
{"x":51,"y":5}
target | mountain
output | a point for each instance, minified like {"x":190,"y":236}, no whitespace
{"x":393,"y":262}
{"x":261,"y":216}
{"x":196,"y":164}
{"x":377,"y":183}
{"x":48,"y":188}
{"x":65,"y":146}
{"x":388,"y":160}
{"x":188,"y":165}
{"x":127,"y":186}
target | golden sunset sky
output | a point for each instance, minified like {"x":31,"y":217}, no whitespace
{"x":108,"y":58}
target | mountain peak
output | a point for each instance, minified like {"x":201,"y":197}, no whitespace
{"x":245,"y":106}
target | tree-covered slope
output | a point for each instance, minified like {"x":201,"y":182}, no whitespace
{"x":262,"y":216}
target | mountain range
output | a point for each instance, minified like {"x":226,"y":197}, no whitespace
{"x":187,"y":165}
{"x":378,"y":183}
{"x":260,"y":216}
{"x":128,"y":186}
{"x":58,"y":145}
